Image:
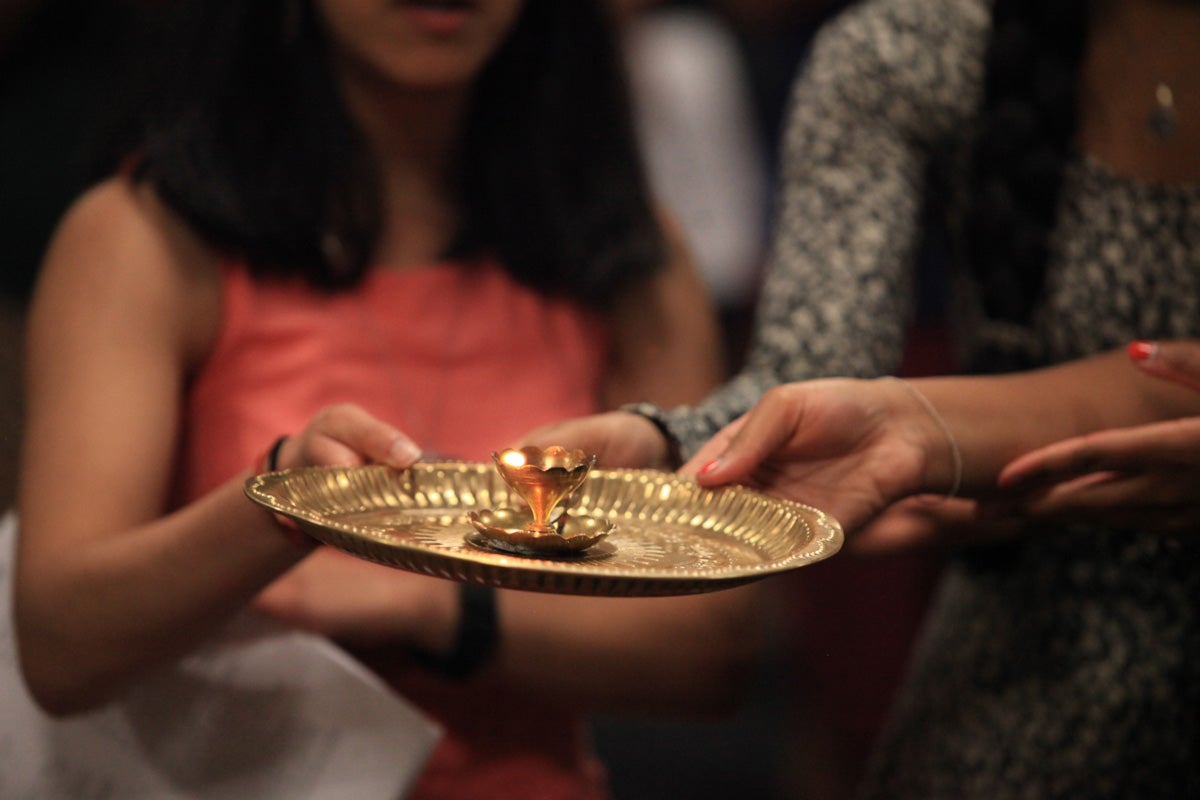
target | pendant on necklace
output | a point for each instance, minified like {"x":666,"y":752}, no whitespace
{"x":1162,"y":119}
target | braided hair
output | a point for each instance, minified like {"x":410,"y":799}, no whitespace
{"x":1029,"y":120}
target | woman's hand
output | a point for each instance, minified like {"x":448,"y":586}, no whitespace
{"x":1177,"y":361}
{"x":1146,"y":475}
{"x":337,"y":595}
{"x":346,"y":435}
{"x":617,"y":438}
{"x":850,"y":448}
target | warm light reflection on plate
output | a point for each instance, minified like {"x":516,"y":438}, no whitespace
{"x":671,"y":537}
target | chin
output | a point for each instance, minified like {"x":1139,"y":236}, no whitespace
{"x":436,"y":73}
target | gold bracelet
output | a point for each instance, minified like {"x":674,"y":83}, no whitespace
{"x":955,"y":453}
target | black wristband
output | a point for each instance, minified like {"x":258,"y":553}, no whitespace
{"x":477,"y":637}
{"x":658,"y":418}
{"x":273,"y":454}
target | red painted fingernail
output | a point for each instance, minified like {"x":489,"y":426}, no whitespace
{"x":1142,"y":351}
{"x":709,"y":467}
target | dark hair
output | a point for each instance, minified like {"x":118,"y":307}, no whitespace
{"x":246,"y":137}
{"x":1029,"y":119}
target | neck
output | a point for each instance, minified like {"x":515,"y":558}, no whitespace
{"x":1140,"y":89}
{"x":407,"y":128}
{"x":414,"y":137}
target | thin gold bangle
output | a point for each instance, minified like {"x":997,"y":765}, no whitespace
{"x":955,"y":453}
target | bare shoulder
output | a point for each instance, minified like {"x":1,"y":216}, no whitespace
{"x":120,"y":257}
{"x":118,"y":231}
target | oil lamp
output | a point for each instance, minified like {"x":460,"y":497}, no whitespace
{"x":543,"y":479}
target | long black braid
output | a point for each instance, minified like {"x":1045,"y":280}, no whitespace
{"x":1029,"y":120}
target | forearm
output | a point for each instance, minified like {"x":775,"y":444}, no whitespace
{"x":995,"y":419}
{"x":666,"y":347}
{"x":93,"y":618}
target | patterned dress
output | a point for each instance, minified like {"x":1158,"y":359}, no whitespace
{"x":1067,"y":664}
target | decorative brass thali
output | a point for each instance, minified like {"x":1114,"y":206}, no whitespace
{"x":671,"y":536}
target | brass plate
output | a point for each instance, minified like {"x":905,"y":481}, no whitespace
{"x":672,"y":537}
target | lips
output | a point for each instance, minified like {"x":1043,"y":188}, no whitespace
{"x":441,"y":5}
{"x":440,"y":17}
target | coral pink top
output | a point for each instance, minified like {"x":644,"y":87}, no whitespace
{"x":464,"y":360}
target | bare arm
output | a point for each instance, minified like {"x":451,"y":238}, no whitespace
{"x":106,"y":585}
{"x":853,"y":448}
{"x":996,"y":419}
{"x":1139,"y":477}
{"x":666,"y":346}
{"x":109,"y":585}
{"x":1142,"y":475}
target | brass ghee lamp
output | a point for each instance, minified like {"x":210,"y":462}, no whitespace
{"x":543,"y":478}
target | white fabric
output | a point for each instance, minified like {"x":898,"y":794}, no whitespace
{"x":696,"y":128}
{"x":263,"y":714}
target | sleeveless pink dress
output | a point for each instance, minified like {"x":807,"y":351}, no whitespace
{"x":443,"y":353}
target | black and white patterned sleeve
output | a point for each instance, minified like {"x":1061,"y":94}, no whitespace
{"x":888,"y":82}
